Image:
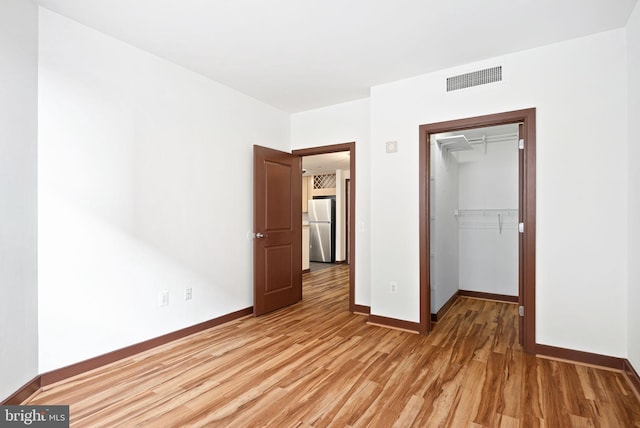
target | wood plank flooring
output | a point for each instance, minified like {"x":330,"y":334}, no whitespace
{"x":317,"y":365}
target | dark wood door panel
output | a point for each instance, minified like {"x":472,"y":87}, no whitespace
{"x":277,"y":256}
{"x":278,"y":184}
{"x":277,"y":274}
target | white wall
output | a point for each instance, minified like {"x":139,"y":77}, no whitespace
{"x":579,"y":90}
{"x":444,"y":227}
{"x":18,"y":194}
{"x":488,"y":250}
{"x":489,"y":179}
{"x":633,"y":57}
{"x":344,"y":123}
{"x":145,"y":185}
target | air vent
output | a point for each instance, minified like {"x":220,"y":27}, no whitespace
{"x":476,"y":78}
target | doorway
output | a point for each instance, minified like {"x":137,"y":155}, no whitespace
{"x":525,"y":120}
{"x":350,"y":202}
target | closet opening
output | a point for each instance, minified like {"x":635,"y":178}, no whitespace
{"x":477,"y":215}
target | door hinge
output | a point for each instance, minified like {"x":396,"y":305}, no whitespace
{"x":521,"y":227}
{"x":521,"y":311}
{"x":521,"y":143}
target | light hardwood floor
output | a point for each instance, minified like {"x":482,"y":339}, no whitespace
{"x":317,"y":365}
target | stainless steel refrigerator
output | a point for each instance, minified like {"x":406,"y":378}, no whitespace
{"x":322,"y":230}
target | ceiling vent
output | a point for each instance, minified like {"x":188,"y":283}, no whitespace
{"x":476,"y":78}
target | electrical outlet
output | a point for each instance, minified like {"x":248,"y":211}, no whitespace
{"x":188,"y":293}
{"x":163,"y":298}
{"x":393,"y":287}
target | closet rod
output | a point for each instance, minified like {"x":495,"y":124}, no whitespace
{"x":493,"y":138}
{"x":509,"y":212}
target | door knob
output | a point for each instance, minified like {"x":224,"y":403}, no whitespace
{"x":260,"y":235}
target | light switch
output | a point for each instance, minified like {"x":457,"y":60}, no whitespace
{"x":392,"y":146}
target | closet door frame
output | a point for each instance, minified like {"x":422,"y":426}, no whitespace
{"x":527,"y":213}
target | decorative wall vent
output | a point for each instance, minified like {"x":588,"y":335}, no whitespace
{"x":475,"y":78}
{"x":324,"y":181}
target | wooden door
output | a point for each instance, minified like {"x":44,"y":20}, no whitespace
{"x":277,"y":225}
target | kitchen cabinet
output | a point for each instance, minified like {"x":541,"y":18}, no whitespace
{"x":307,"y":191}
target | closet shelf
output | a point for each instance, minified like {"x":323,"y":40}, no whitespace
{"x":454,"y":143}
{"x":494,"y":218}
{"x":507,"y":212}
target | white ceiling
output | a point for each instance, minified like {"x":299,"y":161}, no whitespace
{"x":326,"y":163}
{"x":298,"y":55}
